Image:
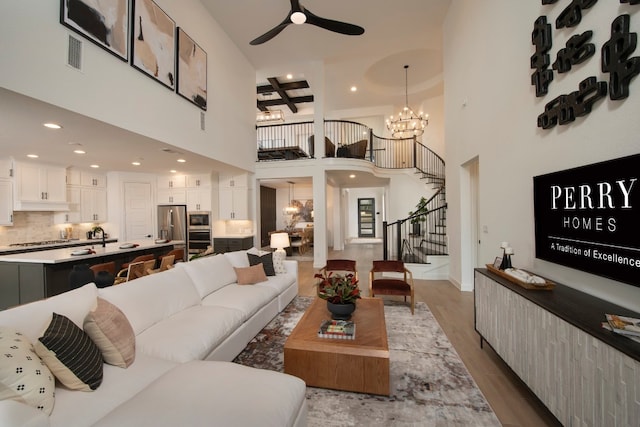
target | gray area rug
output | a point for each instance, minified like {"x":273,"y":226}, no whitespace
{"x":430,"y":386}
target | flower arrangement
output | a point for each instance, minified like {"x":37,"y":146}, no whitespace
{"x":338,"y":289}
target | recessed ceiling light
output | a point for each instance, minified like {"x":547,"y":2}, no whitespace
{"x":182,"y":161}
{"x":32,"y":156}
{"x":52,"y":125}
{"x":135,"y":163}
{"x":173,"y":171}
{"x":352,"y":176}
{"x":354,"y":89}
{"x":289,"y":76}
{"x":95,"y":166}
{"x":79,"y":151}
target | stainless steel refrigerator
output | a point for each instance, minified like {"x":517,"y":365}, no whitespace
{"x":172,"y":222}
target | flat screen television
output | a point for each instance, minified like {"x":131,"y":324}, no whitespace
{"x":588,"y":218}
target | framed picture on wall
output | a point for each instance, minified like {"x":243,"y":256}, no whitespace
{"x":153,"y":42}
{"x":105,"y":23}
{"x":192,"y":70}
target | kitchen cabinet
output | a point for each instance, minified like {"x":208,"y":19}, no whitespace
{"x":198,"y":180}
{"x":73,"y":215}
{"x":90,"y":179}
{"x":199,"y":199}
{"x":234,"y":203}
{"x":6,"y":169}
{"x":93,"y":205}
{"x":231,"y":244}
{"x":6,"y":202}
{"x":239,"y":180}
{"x":171,"y":181}
{"x":39,"y":187}
{"x":172,"y":196}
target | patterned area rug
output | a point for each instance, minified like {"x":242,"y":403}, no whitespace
{"x":430,"y":386}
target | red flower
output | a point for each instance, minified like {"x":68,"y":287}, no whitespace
{"x":338,"y":289}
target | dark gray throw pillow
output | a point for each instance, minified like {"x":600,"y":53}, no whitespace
{"x":266,"y":260}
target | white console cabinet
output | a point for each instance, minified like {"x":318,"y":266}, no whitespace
{"x":553,"y":340}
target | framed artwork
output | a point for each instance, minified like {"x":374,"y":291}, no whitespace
{"x":497,"y":262}
{"x":153,"y":42}
{"x":105,"y":23}
{"x":192,"y":70}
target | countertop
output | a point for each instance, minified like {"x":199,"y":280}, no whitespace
{"x":62,"y":255}
{"x":5,"y":250}
{"x":233,"y":236}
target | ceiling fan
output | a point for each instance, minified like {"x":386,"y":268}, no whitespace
{"x":299,"y":15}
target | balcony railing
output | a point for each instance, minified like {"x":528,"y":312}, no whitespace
{"x":411,"y":239}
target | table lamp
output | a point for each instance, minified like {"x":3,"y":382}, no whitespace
{"x":279,"y":241}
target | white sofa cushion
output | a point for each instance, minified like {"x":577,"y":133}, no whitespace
{"x":209,"y":274}
{"x":14,"y":413}
{"x":150,"y":299}
{"x":190,"y":334}
{"x":247,"y":299}
{"x":205,"y":393}
{"x":278,"y":283}
{"x":78,"y":409}
{"x":32,"y":318}
{"x":238,"y":258}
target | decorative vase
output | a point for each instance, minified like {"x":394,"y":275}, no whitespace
{"x":341,"y":311}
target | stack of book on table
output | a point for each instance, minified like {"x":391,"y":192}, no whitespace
{"x":627,"y":326}
{"x":337,"y":329}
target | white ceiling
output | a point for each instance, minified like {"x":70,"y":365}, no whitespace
{"x":404,"y":32}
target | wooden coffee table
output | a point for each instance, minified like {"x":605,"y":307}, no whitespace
{"x":360,"y":365}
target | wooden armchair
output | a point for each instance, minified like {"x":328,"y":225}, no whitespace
{"x":139,"y":258}
{"x":134,"y":270}
{"x":303,"y":243}
{"x":379,"y":284}
{"x":340,"y":266}
{"x":165,"y":264}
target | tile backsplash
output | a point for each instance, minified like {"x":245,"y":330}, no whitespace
{"x":37,"y":226}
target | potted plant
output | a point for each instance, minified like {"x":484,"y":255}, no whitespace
{"x":341,"y":293}
{"x":419,"y":217}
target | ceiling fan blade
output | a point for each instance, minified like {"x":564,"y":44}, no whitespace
{"x":271,"y":33}
{"x":331,"y":25}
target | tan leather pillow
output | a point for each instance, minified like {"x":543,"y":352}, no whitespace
{"x":250,"y":275}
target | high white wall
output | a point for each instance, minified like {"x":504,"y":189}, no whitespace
{"x":33,"y":54}
{"x":490,"y":113}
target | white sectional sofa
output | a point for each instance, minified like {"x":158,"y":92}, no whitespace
{"x":189,"y":323}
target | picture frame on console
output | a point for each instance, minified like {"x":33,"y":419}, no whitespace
{"x":153,"y":46}
{"x":104,"y":23}
{"x":192,"y":70}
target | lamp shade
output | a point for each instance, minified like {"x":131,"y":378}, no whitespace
{"x":279,"y":240}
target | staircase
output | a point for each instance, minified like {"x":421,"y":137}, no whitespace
{"x":424,"y":233}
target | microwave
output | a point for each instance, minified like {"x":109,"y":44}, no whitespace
{"x":199,"y":219}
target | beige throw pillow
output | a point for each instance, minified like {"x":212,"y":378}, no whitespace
{"x":111,"y":331}
{"x":250,"y":275}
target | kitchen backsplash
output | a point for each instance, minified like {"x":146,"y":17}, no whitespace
{"x":37,"y":226}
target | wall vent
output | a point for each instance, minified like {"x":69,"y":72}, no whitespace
{"x":201,"y":120}
{"x":74,"y":53}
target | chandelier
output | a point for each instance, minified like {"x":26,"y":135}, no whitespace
{"x":291,"y":208}
{"x":270,"y":116}
{"x":407,"y":124}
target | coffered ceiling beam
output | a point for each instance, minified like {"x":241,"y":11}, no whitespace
{"x":262,"y":105}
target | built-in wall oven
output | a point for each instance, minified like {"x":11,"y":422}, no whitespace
{"x":199,"y":231}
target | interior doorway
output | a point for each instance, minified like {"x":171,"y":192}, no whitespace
{"x":138,"y":217}
{"x":469,"y":221}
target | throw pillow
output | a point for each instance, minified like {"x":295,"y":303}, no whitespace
{"x":111,"y":331}
{"x":266,"y":260}
{"x":250,"y":275}
{"x":23,"y":376}
{"x":70,"y":354}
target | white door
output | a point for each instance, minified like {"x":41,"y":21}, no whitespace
{"x":138,"y":215}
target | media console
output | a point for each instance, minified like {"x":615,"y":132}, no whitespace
{"x":553,"y":340}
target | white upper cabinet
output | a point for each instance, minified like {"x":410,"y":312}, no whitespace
{"x":6,"y":202}
{"x":200,"y":180}
{"x":89,"y":179}
{"x":39,"y":187}
{"x":229,"y":181}
{"x":171,"y":181}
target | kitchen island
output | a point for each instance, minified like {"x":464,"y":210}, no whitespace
{"x":32,"y":276}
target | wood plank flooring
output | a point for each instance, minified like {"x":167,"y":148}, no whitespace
{"x":512,"y":402}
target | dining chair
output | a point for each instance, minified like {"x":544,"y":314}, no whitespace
{"x":104,"y":273}
{"x":134,"y":271}
{"x":340,"y":266}
{"x":165,"y":264}
{"x":381,"y":284}
{"x":303,"y":242}
{"x":139,"y":258}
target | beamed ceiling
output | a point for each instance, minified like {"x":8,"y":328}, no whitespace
{"x":277,"y":93}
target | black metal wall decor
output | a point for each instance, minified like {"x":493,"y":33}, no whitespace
{"x":541,"y":39}
{"x":576,"y":51}
{"x":572,"y":14}
{"x":616,"y":60}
